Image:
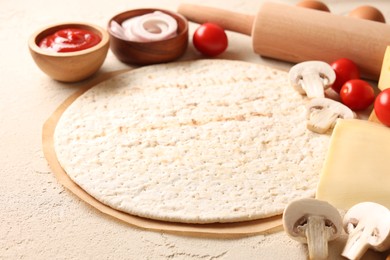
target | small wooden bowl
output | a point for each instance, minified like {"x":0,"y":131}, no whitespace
{"x":145,"y":53}
{"x":69,"y":66}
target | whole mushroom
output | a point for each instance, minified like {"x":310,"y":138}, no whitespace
{"x":312,"y":78}
{"x":314,"y":222}
{"x":368,"y":226}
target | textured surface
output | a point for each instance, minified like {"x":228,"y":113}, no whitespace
{"x":194,"y":142}
{"x":39,"y":219}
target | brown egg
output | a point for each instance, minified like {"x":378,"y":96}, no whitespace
{"x":368,"y":12}
{"x":317,"y":5}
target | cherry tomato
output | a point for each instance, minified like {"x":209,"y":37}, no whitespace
{"x":345,"y":70}
{"x":357,"y":94}
{"x":382,"y":107}
{"x":210,"y":39}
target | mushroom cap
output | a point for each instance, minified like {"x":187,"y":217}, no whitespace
{"x":376,"y":216}
{"x":297,"y":213}
{"x":320,"y":68}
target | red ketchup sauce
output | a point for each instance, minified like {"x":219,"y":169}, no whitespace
{"x":70,"y":39}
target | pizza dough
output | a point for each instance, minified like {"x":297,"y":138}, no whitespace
{"x":194,"y":142}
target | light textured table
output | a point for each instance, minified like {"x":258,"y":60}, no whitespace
{"x":39,"y":219}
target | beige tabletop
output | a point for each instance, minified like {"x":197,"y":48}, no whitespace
{"x":39,"y":218}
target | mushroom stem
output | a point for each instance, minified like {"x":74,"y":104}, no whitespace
{"x":357,"y":243}
{"x":321,"y":121}
{"x":317,"y":235}
{"x":313,"y":85}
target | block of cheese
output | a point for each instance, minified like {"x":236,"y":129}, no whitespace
{"x":384,"y":79}
{"x":357,"y":165}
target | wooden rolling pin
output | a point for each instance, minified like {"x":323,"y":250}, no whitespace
{"x":297,"y":34}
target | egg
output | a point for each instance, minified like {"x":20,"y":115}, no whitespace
{"x":317,"y":5}
{"x":367,"y":12}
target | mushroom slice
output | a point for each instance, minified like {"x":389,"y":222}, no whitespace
{"x":322,"y":114}
{"x":314,"y":222}
{"x":312,"y":78}
{"x":368,"y":226}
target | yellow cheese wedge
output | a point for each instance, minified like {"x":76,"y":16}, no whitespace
{"x":357,"y":166}
{"x":384,"y":79}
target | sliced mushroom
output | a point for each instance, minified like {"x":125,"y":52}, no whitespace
{"x":314,"y":222}
{"x":322,"y":114}
{"x":312,"y":78}
{"x":368,"y":226}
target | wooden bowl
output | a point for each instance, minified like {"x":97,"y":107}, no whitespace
{"x":145,"y":53}
{"x":69,"y":66}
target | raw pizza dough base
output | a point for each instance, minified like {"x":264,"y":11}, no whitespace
{"x":215,"y":230}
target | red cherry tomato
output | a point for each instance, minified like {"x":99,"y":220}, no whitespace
{"x":345,"y":70}
{"x":210,"y":39}
{"x":357,"y":94}
{"x":382,"y":107}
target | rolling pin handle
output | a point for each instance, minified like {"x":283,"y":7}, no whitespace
{"x":231,"y":21}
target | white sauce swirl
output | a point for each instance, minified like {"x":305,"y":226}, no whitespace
{"x":150,"y":27}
